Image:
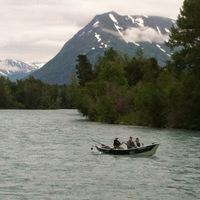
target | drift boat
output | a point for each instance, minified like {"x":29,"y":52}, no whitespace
{"x":148,"y":150}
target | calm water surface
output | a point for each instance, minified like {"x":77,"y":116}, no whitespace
{"x":47,"y":155}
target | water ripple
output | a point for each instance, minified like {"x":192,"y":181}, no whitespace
{"x":47,"y":155}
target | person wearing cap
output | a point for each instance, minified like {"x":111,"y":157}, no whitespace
{"x":117,"y":144}
{"x":130,"y":144}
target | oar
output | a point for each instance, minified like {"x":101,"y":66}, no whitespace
{"x":98,"y":142}
{"x":101,"y":144}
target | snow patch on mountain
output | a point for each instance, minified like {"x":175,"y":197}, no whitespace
{"x":132,"y":19}
{"x":2,"y":74}
{"x":158,"y":30}
{"x":160,"y":48}
{"x":113,"y":18}
{"x":98,"y":37}
{"x":96,"y":24}
{"x":135,"y":43}
{"x":173,"y":21}
{"x":167,"y":30}
{"x":120,"y":31}
{"x":139,"y":21}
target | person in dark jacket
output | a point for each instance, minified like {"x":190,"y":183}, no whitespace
{"x":117,"y":144}
{"x":130,"y":144}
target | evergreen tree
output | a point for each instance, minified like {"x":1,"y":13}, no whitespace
{"x":5,"y":94}
{"x":84,"y":70}
{"x":187,"y":35}
{"x":133,"y":71}
{"x":110,"y":67}
{"x":109,"y":56}
{"x":140,"y":68}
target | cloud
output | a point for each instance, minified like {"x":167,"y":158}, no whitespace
{"x":36,"y":30}
{"x":144,"y":34}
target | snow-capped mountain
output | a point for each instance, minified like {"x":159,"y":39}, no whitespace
{"x":15,"y":69}
{"x":123,"y":33}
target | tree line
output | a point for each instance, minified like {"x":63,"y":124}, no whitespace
{"x":33,"y":94}
{"x":135,"y":90}
{"x":126,"y":90}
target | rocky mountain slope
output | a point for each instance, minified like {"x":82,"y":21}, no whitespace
{"x":123,"y":33}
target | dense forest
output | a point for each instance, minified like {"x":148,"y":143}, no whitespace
{"x":122,"y":89}
{"x":135,"y":90}
{"x":33,"y":94}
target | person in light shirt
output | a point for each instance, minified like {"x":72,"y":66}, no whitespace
{"x":137,"y":143}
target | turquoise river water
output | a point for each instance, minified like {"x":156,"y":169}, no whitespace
{"x":46,"y":154}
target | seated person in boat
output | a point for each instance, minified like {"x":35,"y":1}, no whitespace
{"x":137,"y":143}
{"x":117,"y":144}
{"x":130,"y":144}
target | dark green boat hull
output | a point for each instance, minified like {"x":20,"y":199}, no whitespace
{"x":143,"y":151}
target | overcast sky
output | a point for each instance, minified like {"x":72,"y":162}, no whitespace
{"x":36,"y":30}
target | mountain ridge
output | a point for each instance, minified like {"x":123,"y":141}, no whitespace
{"x":16,"y":69}
{"x":124,"y":33}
